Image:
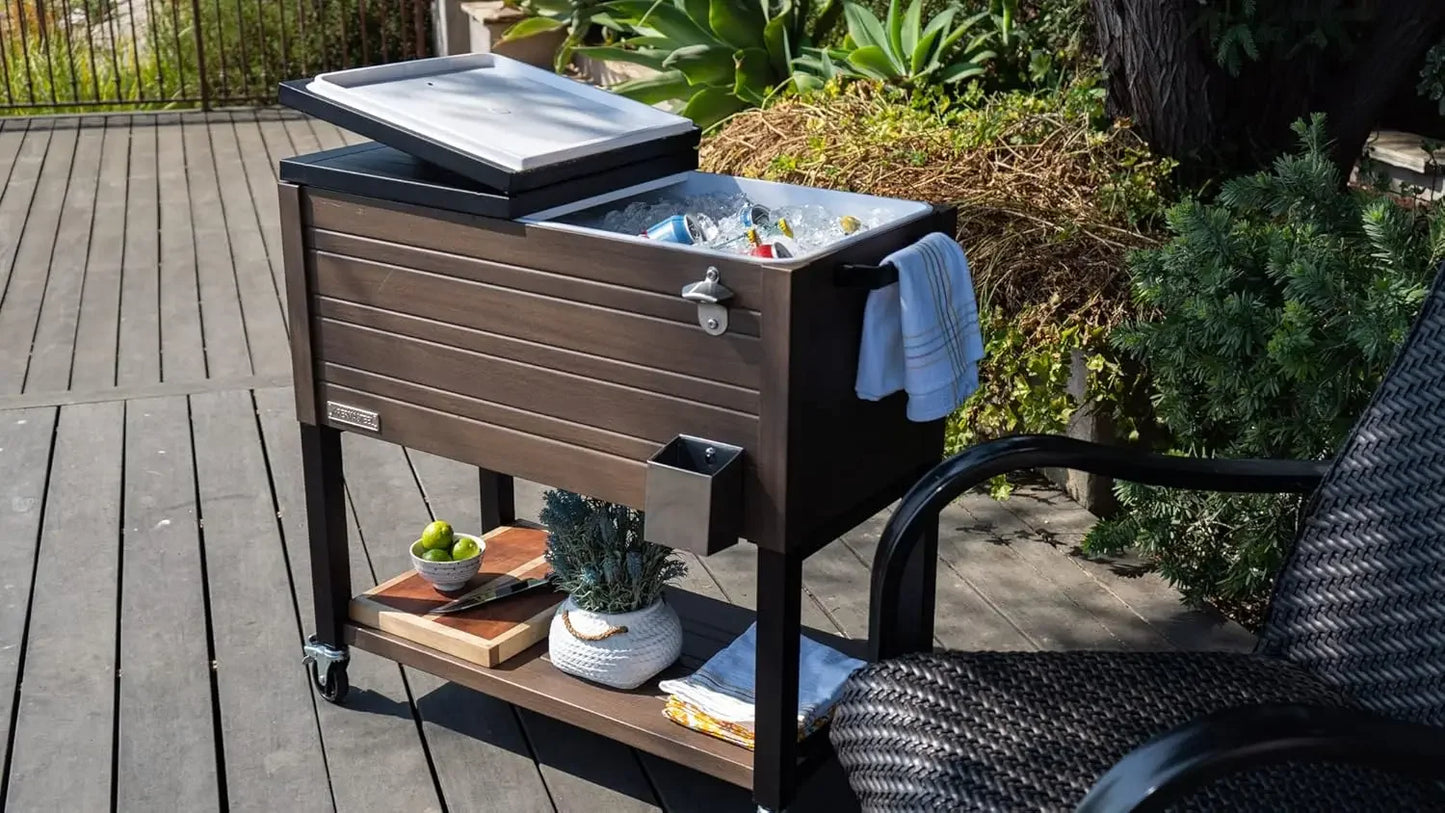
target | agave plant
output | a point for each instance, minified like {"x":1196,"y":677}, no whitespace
{"x":902,"y":50}
{"x":579,"y":17}
{"x":718,"y":56}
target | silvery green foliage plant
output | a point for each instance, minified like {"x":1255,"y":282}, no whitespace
{"x":599,"y":557}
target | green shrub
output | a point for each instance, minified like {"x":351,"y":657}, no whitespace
{"x":719,"y":57}
{"x":1048,"y":42}
{"x":902,"y":49}
{"x":1272,"y":316}
{"x":1049,"y":204}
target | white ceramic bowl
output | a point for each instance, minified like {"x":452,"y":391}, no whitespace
{"x":449,"y":577}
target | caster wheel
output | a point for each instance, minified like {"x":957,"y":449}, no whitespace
{"x":327,"y":665}
{"x":335,"y":685}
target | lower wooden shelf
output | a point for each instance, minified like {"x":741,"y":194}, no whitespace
{"x":634,"y":717}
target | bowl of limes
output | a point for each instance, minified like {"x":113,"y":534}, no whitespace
{"x":446,"y":558}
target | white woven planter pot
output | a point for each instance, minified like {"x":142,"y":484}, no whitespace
{"x":621,"y":650}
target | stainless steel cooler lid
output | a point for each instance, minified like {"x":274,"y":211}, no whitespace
{"x":498,"y":121}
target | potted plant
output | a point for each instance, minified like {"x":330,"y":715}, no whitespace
{"x":568,"y":23}
{"x":614,"y":628}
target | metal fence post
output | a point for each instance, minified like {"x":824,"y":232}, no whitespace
{"x":200,"y":55}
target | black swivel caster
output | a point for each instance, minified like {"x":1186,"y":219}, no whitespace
{"x":327,"y":665}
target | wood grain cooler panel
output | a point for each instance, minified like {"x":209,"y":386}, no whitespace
{"x":570,"y":358}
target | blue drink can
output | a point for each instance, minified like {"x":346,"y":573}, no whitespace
{"x":676,"y":229}
{"x":754,"y":215}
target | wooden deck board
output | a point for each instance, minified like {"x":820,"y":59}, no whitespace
{"x":138,"y":339}
{"x":265,"y":322}
{"x":261,"y":184}
{"x":10,"y":142}
{"x":273,"y":752}
{"x":25,"y":290}
{"x":227,"y":351}
{"x":53,"y":346}
{"x":183,"y":353}
{"x":16,"y":200}
{"x":166,"y":743}
{"x":64,"y":724}
{"x":94,"y":363}
{"x":25,"y":443}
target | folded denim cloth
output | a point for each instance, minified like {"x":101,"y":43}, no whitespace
{"x":921,"y":333}
{"x":721,"y":692}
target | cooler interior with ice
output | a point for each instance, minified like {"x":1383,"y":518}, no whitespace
{"x":570,"y":343}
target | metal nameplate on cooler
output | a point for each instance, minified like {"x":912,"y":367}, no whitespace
{"x":353,"y":416}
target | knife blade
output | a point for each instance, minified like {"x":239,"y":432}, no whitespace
{"x":509,"y":589}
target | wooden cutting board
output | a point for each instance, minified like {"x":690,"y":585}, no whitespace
{"x":486,"y":635}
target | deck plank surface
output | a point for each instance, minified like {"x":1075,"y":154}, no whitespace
{"x":17,"y":201}
{"x":265,"y":322}
{"x":24,"y":292}
{"x":26,"y":437}
{"x":166,"y":746}
{"x":138,"y":340}
{"x":273,"y":753}
{"x":183,"y":352}
{"x":228,"y":353}
{"x":261,"y":184}
{"x":53,"y":345}
{"x":149,"y":458}
{"x":94,"y":363}
{"x":64,"y":725}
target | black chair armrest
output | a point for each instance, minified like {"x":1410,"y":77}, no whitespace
{"x":977,"y":465}
{"x":1160,"y":772}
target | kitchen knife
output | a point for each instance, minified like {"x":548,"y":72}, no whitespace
{"x":509,"y":589}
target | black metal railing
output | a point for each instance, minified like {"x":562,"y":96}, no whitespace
{"x":79,"y":55}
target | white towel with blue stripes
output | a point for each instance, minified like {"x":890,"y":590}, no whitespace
{"x":921,"y":333}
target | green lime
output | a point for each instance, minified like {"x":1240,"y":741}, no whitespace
{"x":436,"y":555}
{"x":437,"y":536}
{"x":417,"y":550}
{"x":465,"y":548}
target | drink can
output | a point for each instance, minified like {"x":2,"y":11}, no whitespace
{"x":773,"y":249}
{"x":682,"y":229}
{"x":755,"y":215}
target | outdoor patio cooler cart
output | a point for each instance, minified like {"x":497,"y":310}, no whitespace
{"x":453,"y":291}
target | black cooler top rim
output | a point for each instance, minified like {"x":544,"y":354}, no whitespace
{"x":468,"y":182}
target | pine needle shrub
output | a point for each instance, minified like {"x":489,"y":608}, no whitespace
{"x":1272,"y":315}
{"x":598,"y":555}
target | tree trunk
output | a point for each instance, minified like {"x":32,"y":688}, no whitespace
{"x":1158,"y":77}
{"x":1164,"y":77}
{"x":1402,"y":33}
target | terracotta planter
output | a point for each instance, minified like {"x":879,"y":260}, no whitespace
{"x":621,"y":650}
{"x":490,"y":19}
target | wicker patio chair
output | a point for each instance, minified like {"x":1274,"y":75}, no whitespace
{"x":1341,"y":706}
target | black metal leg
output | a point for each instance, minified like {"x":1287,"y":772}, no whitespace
{"x":325,"y":652}
{"x":775,"y":760}
{"x":326,"y":521}
{"x":919,"y":587}
{"x":499,"y":504}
